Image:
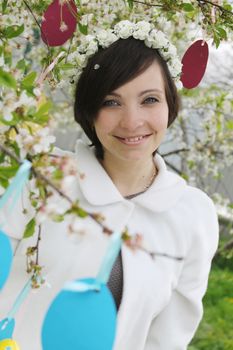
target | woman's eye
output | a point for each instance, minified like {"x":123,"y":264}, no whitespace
{"x":110,"y":103}
{"x":150,"y":100}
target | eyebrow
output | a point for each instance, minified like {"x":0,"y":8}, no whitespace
{"x":141,"y":93}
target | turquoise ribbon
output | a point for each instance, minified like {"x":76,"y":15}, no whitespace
{"x":109,"y":258}
{"x":19,"y":300}
{"x":104,"y":271}
{"x":13,"y":192}
{"x":80,"y":286}
{"x":16,"y":186}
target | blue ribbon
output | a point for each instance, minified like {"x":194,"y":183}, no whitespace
{"x":104,"y":271}
{"x":80,"y":286}
{"x":19,"y":300}
{"x":16,"y":185}
{"x":109,"y":258}
{"x":13,"y":192}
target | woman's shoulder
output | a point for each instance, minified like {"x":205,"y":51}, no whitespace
{"x":198,"y":199}
{"x":202,"y":216}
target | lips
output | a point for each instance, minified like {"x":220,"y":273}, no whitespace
{"x":133,"y":139}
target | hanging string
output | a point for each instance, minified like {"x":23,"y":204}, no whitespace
{"x":13,"y":191}
{"x":19,"y":300}
{"x":104,"y":271}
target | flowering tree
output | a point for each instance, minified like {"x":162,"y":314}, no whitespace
{"x":37,"y":83}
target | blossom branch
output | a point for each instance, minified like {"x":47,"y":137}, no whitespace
{"x":37,"y":245}
{"x":173,"y":167}
{"x":221,"y":8}
{"x":36,"y":20}
{"x":200,"y":2}
{"x":126,"y":237}
{"x":176,"y":152}
{"x":147,"y":4}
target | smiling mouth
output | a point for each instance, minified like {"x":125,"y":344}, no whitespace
{"x":134,"y":139}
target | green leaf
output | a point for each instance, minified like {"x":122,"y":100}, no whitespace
{"x":13,"y":31}
{"x":4,"y":6}
{"x":44,"y":109}
{"x":38,"y":120}
{"x":222,"y":33}
{"x":8,"y":57}
{"x":21,"y":64}
{"x":42,"y":191}
{"x":28,"y":81}
{"x":130,"y":3}
{"x":229,"y":124}
{"x":12,"y":122}
{"x":14,"y":145}
{"x":58,"y":218}
{"x":2,"y":157}
{"x":30,"y":228}
{"x":187,"y":7}
{"x":57,"y":174}
{"x":6,"y":79}
{"x":81,"y":213}
{"x":83,"y":28}
{"x":66,"y":66}
{"x":4,"y":183}
{"x":227,"y":7}
{"x":41,"y":116}
{"x":216,"y":40}
{"x":8,"y":172}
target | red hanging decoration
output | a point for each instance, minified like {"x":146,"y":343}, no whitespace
{"x":59,"y":22}
{"x":194,"y":64}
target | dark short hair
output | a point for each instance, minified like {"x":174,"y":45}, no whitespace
{"x":118,"y":64}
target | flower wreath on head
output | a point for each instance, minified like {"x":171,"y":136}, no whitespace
{"x":142,"y":30}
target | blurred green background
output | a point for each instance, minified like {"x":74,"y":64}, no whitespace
{"x":216,"y":329}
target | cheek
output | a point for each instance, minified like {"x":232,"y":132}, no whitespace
{"x":160,"y":120}
{"x":103,"y":124}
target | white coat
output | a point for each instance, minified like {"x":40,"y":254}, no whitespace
{"x":162,"y":298}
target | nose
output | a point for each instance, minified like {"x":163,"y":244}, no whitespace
{"x":132,"y":118}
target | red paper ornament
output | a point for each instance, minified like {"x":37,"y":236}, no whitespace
{"x":194,"y":64}
{"x":59,"y":22}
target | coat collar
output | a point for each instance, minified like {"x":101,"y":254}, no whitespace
{"x":98,"y":188}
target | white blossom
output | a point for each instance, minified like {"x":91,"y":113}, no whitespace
{"x":38,"y":142}
{"x":105,"y":37}
{"x":1,"y":61}
{"x":142,"y":30}
{"x":124,"y":29}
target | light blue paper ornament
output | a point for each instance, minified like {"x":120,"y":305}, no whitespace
{"x":6,"y":328}
{"x":6,"y":256}
{"x":83,"y":315}
{"x":7,"y":325}
{"x":10,"y":197}
{"x":85,"y":320}
{"x":12,"y":193}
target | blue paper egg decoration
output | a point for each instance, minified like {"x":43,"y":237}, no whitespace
{"x":80,"y":320}
{"x":6,"y":256}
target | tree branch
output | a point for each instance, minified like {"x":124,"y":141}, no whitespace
{"x":37,"y":22}
{"x":146,"y":4}
{"x":199,"y":2}
{"x":94,"y":216}
{"x":173,"y":167}
{"x":175,"y":152}
{"x":37,"y":245}
{"x":215,"y":5}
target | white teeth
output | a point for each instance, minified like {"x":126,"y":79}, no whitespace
{"x":134,"y":139}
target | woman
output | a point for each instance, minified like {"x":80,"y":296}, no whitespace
{"x":125,"y":100}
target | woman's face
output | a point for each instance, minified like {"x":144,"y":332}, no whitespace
{"x":133,"y":119}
